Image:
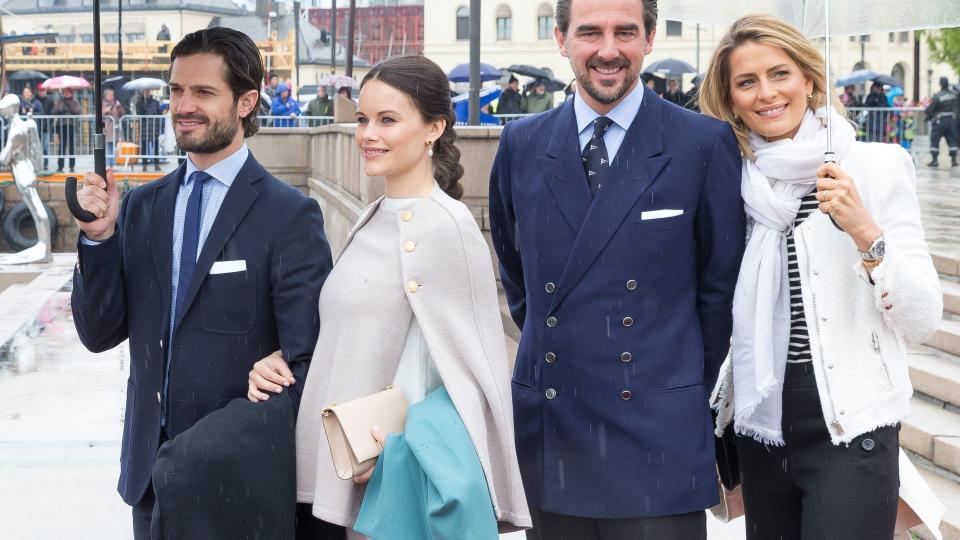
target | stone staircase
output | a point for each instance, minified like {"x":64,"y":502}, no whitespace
{"x":931,"y":434}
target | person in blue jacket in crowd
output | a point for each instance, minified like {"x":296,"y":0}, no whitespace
{"x":285,"y":105}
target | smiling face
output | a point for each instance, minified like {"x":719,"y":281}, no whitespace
{"x":606,"y":44}
{"x":769,"y":91}
{"x":391,"y":132}
{"x":206,"y":115}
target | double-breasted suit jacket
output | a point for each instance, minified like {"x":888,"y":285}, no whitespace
{"x":624,"y":302}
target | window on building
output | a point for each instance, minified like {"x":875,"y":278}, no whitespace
{"x":865,"y":38}
{"x":904,"y":37}
{"x":61,"y":3}
{"x":135,"y":37}
{"x":463,"y":23}
{"x":545,"y":22}
{"x":892,"y":37}
{"x":504,"y":24}
{"x":86,"y":38}
{"x":674,"y":28}
{"x":111,"y":38}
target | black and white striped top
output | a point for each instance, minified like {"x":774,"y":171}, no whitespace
{"x":799,"y":349}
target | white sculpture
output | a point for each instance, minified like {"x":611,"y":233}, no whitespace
{"x":24,"y":156}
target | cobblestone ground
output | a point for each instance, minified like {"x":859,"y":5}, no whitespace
{"x":61,"y":413}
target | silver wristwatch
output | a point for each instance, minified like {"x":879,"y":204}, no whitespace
{"x":876,"y":251}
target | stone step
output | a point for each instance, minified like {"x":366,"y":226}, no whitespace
{"x":935,"y":374}
{"x":951,"y":296}
{"x":947,"y":337}
{"x":946,"y":264}
{"x":948,"y":492}
{"x":933,"y":432}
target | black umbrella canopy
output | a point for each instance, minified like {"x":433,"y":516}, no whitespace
{"x":553,"y":85}
{"x":530,"y":71}
{"x":116,"y":84}
{"x":671,"y":67}
{"x":28,"y":76}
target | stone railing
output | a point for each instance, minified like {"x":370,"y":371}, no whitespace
{"x":325,"y":163}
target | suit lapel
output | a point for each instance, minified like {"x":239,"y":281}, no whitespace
{"x":236,"y":204}
{"x":162,"y":212}
{"x":563,"y":169}
{"x":638,"y":163}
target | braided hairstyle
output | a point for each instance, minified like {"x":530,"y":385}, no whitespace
{"x":426,"y":85}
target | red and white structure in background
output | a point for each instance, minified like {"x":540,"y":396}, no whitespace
{"x":381,"y":31}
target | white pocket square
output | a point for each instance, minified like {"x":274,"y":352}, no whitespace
{"x":228,"y":267}
{"x":660,"y":214}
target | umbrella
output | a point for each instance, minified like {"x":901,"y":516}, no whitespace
{"x":65,"y":81}
{"x":28,"y":76}
{"x":461,"y":73}
{"x":553,"y":85}
{"x":99,"y":142}
{"x":144,"y":83}
{"x":823,"y":18}
{"x":864,"y":75}
{"x":339,"y":81}
{"x":670,"y":67}
{"x":530,"y":71}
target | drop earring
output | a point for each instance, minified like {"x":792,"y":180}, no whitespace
{"x":429,"y":148}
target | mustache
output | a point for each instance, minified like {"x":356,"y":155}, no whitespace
{"x":618,"y":62}
{"x":191,"y":117}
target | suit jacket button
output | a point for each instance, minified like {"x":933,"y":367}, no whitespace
{"x":406,"y":216}
{"x":628,"y":321}
{"x":409,"y":246}
{"x":413,"y":286}
{"x":632,"y":285}
{"x":626,"y":395}
{"x":551,"y":321}
{"x":626,"y":357}
{"x":550,"y":287}
{"x":550,"y":357}
{"x":550,"y":393}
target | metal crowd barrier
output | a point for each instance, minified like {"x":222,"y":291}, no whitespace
{"x":296,"y":121}
{"x":906,"y":126}
{"x":144,"y":140}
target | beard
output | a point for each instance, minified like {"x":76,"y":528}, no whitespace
{"x":218,"y":135}
{"x":608,"y":92}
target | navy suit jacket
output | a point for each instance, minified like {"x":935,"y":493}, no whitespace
{"x":122,"y":289}
{"x":625,"y":319}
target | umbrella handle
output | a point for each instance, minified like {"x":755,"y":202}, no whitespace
{"x":70,"y":186}
{"x":830,"y":157}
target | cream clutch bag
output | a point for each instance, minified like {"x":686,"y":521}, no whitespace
{"x":348,"y":426}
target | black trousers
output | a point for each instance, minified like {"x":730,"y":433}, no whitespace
{"x":549,"y":526}
{"x":943,"y":128}
{"x":811,"y":489}
{"x":67,"y":147}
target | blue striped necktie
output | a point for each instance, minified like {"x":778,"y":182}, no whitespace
{"x":191,"y":236}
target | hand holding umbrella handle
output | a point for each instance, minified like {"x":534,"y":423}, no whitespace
{"x":830,"y":157}
{"x":70,"y":185}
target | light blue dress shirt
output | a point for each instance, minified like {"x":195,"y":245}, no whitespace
{"x":622,"y":116}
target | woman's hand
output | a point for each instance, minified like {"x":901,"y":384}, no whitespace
{"x":381,"y":440}
{"x":840,"y":199}
{"x":268,"y":375}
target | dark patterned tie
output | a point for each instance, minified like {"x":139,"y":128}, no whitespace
{"x":191,"y":237}
{"x":595,"y":161}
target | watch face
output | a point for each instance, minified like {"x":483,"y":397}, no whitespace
{"x":878,"y":249}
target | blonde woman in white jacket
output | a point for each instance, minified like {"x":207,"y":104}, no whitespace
{"x":835,"y":280}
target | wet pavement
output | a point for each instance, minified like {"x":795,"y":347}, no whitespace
{"x":61,"y":407}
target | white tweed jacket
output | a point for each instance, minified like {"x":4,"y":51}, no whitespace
{"x":858,"y":345}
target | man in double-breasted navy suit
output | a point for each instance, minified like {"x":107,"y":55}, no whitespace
{"x":619,"y":225}
{"x":206,"y":270}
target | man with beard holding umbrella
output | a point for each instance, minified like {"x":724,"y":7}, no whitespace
{"x":619,"y":226}
{"x":206,"y":270}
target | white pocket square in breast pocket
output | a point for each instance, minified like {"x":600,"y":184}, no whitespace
{"x":660,"y":214}
{"x":228,"y":267}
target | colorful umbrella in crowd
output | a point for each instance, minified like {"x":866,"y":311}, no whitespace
{"x":461,"y":73}
{"x":65,"y":81}
{"x":145,"y":83}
